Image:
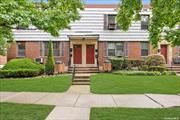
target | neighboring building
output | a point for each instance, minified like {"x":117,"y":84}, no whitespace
{"x":3,"y":61}
{"x":92,"y":39}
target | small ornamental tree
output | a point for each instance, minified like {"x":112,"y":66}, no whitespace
{"x":50,"y":64}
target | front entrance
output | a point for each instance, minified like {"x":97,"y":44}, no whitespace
{"x":90,"y":54}
{"x":77,"y":56}
{"x":164,"y":51}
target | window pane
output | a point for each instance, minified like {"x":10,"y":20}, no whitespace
{"x":144,"y":49}
{"x":144,"y":22}
{"x":111,"y":19}
{"x":21,"y":49}
{"x":119,"y":49}
{"x":111,"y":52}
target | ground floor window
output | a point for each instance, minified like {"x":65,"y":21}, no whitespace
{"x":58,"y":48}
{"x":21,"y":49}
{"x":178,"y":50}
{"x":116,"y":49}
{"x":144,"y":48}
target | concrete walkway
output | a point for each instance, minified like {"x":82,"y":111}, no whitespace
{"x":75,"y":105}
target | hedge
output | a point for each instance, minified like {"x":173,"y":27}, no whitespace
{"x":141,"y":73}
{"x":19,"y":73}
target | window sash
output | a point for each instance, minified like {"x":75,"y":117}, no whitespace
{"x":144,"y":49}
{"x":21,"y":50}
{"x":116,"y":49}
{"x":144,"y":22}
{"x":58,"y":48}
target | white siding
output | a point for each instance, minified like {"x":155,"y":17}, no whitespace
{"x":92,"y":21}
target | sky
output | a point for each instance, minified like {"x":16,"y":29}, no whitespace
{"x":108,"y":1}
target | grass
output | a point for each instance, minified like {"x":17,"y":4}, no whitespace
{"x":59,"y":83}
{"x":135,"y":114}
{"x":11,"y":111}
{"x":118,"y":84}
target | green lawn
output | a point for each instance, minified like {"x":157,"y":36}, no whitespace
{"x":118,"y":84}
{"x":47,"y":84}
{"x":135,"y":114}
{"x":11,"y":111}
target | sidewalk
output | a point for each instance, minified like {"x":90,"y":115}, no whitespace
{"x":74,"y":105}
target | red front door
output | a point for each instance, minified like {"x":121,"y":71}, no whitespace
{"x":77,"y":56}
{"x":164,"y":51}
{"x":90,"y":54}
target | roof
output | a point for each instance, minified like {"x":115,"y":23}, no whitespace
{"x":109,"y":6}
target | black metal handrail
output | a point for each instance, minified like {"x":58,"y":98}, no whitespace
{"x":73,"y":72}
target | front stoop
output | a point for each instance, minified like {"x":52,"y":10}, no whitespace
{"x":175,"y":69}
{"x":82,"y":75}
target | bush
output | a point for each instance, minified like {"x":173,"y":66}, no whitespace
{"x":19,"y":73}
{"x":50,"y":64}
{"x":157,"y":68}
{"x":23,"y":63}
{"x":118,"y":63}
{"x":168,"y":73}
{"x":141,"y":73}
{"x":133,"y":63}
{"x":155,"y":60}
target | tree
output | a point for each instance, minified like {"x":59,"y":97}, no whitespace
{"x":51,"y":16}
{"x":165,"y":17}
{"x":50,"y":64}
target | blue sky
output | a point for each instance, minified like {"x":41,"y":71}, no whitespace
{"x":108,"y":1}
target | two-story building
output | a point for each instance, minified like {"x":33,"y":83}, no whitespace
{"x":92,"y":39}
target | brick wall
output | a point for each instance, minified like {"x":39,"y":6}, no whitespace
{"x":175,"y":51}
{"x":33,"y":51}
{"x":102,"y":54}
{"x":12,"y":51}
{"x":134,"y":50}
{"x":3,"y":60}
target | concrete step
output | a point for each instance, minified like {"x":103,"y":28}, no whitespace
{"x":84,"y":69}
{"x":80,"y":83}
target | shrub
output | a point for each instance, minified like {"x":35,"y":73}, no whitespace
{"x":118,"y":63}
{"x":19,"y":73}
{"x":157,"y":68}
{"x":50,"y":64}
{"x":133,"y":63}
{"x":155,"y":60}
{"x":23,"y":63}
{"x":141,"y":73}
{"x":168,"y":73}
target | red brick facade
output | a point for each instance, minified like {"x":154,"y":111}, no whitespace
{"x":32,"y":51}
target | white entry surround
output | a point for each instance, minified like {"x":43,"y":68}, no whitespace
{"x":84,"y":40}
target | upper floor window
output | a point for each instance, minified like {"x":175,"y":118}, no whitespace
{"x":21,"y":49}
{"x":57,"y":48}
{"x":144,"y":22}
{"x":116,"y":49}
{"x":110,"y":22}
{"x":144,"y":48}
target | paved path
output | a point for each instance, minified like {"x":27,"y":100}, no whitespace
{"x":75,"y":105}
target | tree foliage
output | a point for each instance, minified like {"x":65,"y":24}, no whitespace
{"x":162,"y":26}
{"x":51,"y":16}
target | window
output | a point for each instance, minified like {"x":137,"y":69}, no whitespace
{"x":144,"y":22}
{"x":116,"y":49}
{"x":178,"y":50}
{"x":57,"y":48}
{"x":110,"y":22}
{"x":21,"y":49}
{"x":144,"y":48}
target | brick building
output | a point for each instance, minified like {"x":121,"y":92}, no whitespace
{"x":92,"y":40}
